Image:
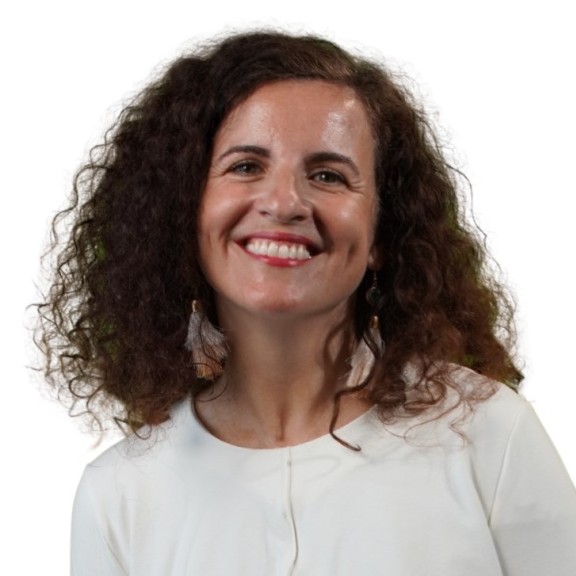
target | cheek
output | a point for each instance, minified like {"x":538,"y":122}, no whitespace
{"x":219,"y":217}
{"x":210,"y":216}
{"x":222,"y":206}
{"x":215,"y":212}
{"x":203,"y":228}
{"x":358,"y":226}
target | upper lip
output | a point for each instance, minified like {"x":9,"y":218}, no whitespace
{"x":286,"y":237}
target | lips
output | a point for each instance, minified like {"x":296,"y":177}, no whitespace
{"x":278,"y":249}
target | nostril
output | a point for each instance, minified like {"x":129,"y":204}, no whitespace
{"x":284,"y":207}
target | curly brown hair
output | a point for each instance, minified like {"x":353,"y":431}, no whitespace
{"x":113,"y":324}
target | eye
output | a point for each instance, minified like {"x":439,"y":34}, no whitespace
{"x":245,"y":168}
{"x":325,"y":176}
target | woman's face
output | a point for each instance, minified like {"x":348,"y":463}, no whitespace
{"x":288,"y":213}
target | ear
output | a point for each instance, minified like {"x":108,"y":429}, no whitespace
{"x":375,"y":259}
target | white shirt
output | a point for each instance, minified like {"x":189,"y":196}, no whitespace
{"x":431,"y":503}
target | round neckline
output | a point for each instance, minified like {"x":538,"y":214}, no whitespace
{"x":346,"y":432}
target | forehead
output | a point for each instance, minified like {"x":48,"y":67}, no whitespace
{"x":304,"y":109}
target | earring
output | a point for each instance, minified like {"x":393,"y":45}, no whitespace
{"x":206,"y":343}
{"x":374,"y":296}
{"x":364,"y":358}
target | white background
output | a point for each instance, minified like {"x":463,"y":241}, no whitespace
{"x":498,"y":76}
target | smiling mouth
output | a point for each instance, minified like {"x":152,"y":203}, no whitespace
{"x":281,"y":250}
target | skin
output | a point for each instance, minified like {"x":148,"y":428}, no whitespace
{"x":292,"y":171}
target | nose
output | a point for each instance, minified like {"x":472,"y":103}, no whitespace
{"x":283,"y":198}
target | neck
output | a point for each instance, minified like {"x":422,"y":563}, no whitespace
{"x":281,"y":379}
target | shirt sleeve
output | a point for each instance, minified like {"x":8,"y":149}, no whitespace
{"x":533,"y":517}
{"x":91,"y":553}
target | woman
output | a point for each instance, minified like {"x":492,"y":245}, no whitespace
{"x":331,"y":404}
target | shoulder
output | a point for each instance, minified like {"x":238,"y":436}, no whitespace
{"x":499,"y":411}
{"x":142,"y":479}
{"x":470,"y":407}
{"x":511,"y":455}
{"x":495,"y":417}
{"x":478,"y":420}
{"x":134,"y":478}
{"x":145,"y":456}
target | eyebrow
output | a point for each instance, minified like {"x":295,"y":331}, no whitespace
{"x":245,"y":149}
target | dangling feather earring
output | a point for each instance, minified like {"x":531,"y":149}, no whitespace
{"x":206,"y":343}
{"x":363,"y":358}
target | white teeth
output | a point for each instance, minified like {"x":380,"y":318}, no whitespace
{"x":302,"y":253}
{"x":278,"y":249}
